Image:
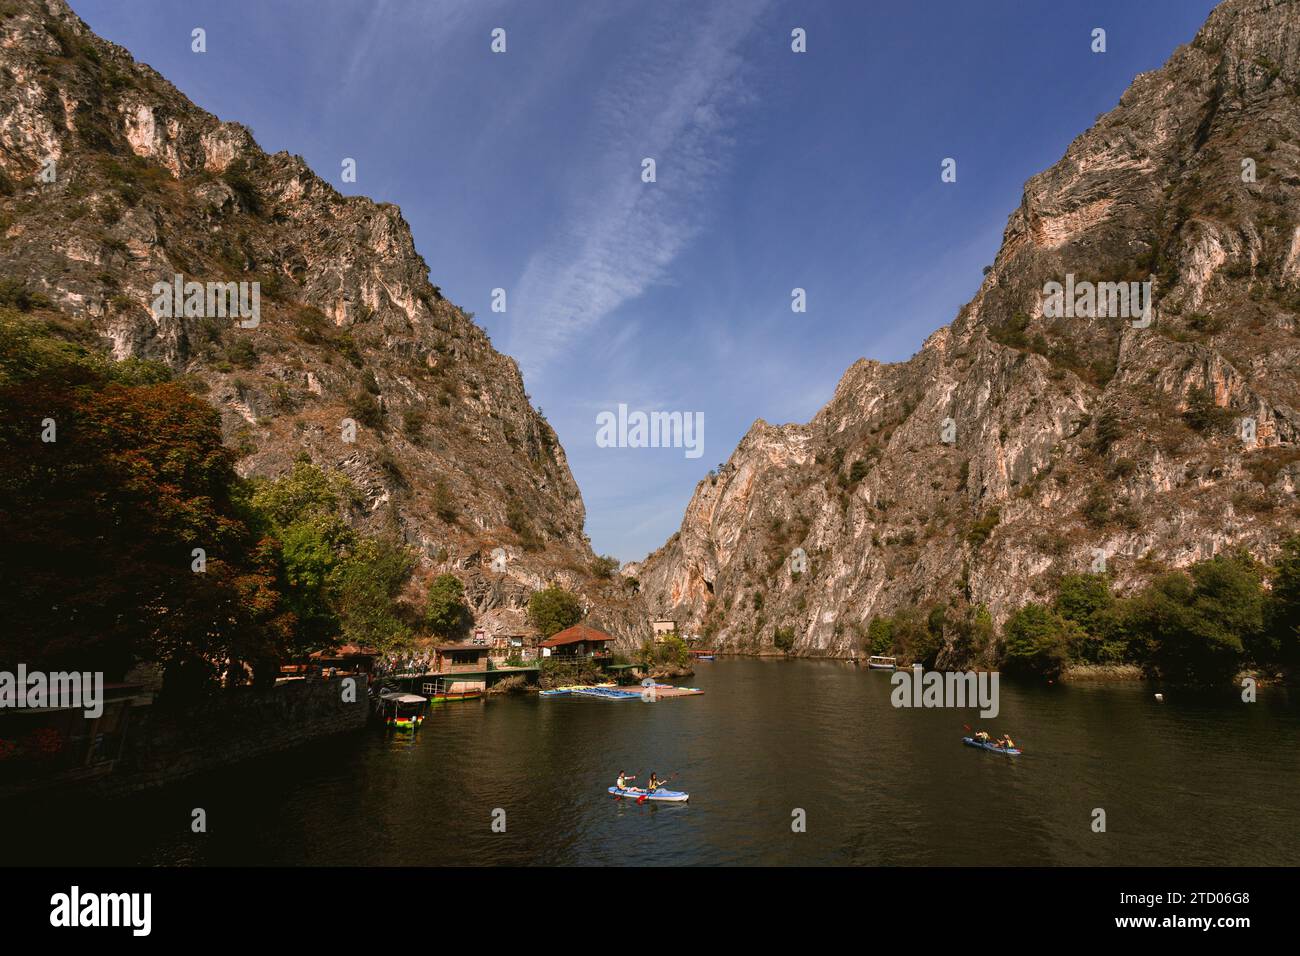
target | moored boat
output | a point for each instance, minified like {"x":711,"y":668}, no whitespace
{"x":404,"y":712}
{"x":449,"y":698}
{"x":448,"y":691}
{"x":878,"y":662}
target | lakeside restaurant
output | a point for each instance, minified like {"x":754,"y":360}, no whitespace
{"x":577,"y":641}
{"x":350,"y":659}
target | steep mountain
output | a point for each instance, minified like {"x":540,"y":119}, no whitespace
{"x":1018,"y":444}
{"x":112,"y":181}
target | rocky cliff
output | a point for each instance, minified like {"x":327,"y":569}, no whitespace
{"x":1019,"y":443}
{"x":112,"y":181}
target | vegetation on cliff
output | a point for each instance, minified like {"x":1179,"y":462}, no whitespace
{"x":552,"y":609}
{"x":1200,"y":625}
{"x":446,"y":613}
{"x":670,"y":651}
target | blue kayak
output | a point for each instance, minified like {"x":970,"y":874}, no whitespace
{"x":633,"y":793}
{"x":1008,"y":751}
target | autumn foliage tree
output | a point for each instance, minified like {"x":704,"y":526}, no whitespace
{"x":125,"y":537}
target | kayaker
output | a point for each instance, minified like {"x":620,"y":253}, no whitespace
{"x":982,"y":736}
{"x":623,"y":779}
{"x":1008,"y":742}
{"x":654,"y":783}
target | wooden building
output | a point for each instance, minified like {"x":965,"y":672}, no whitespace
{"x":577,"y":641}
{"x":450,"y":658}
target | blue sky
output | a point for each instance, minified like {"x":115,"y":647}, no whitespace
{"x":775,"y":170}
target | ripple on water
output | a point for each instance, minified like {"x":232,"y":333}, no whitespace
{"x":1203,"y":780}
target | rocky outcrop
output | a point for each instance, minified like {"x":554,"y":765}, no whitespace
{"x":112,"y":181}
{"x":1016,"y":445}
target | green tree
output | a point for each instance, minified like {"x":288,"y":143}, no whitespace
{"x":366,"y":409}
{"x":519,"y":523}
{"x":553,"y":609}
{"x":645,"y":654}
{"x":1284,"y":608}
{"x":1203,"y":412}
{"x":968,"y":632}
{"x":783,"y":639}
{"x":308,"y":493}
{"x":444,"y":505}
{"x":1196,"y":626}
{"x":1036,"y":641}
{"x":914,"y":639}
{"x":102,"y":524}
{"x":368,"y":583}
{"x":669,"y":649}
{"x":673,"y":650}
{"x":880,"y":635}
{"x":446,"y":613}
{"x":305,"y":511}
{"x":1087,"y":601}
{"x":605,"y":566}
{"x":981,"y":529}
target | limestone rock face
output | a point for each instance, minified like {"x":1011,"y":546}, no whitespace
{"x":112,"y":181}
{"x":1016,"y":446}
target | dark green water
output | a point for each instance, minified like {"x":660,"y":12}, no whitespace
{"x":1196,"y":780}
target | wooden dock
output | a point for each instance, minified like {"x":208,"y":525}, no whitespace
{"x":662,"y":691}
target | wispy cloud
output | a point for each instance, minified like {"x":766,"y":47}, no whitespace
{"x":676,"y":103}
{"x":392,"y":22}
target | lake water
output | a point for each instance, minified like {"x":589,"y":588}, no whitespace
{"x":1196,"y":780}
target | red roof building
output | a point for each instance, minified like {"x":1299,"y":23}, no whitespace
{"x":577,"y":641}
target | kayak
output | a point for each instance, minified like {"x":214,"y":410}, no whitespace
{"x":668,"y":796}
{"x":1008,"y":751}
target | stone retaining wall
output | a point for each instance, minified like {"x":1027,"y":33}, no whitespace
{"x":164,"y":745}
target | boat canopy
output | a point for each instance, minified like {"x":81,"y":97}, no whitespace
{"x":402,"y":698}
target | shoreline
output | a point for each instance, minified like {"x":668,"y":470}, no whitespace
{"x":1071,"y":674}
{"x":1103,"y":674}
